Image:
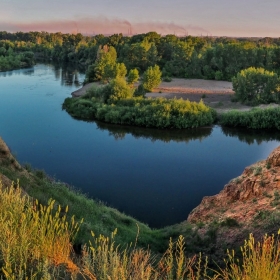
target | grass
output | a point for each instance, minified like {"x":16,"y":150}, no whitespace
{"x":135,"y":252}
{"x":37,"y":244}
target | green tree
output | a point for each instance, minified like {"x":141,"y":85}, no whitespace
{"x":117,"y":89}
{"x":256,"y":85}
{"x":133,"y":76}
{"x":151,"y":78}
{"x":105,"y":63}
{"x":120,"y":70}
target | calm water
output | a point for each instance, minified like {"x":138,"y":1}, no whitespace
{"x":156,"y":176}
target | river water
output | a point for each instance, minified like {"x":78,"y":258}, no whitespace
{"x":156,"y":176}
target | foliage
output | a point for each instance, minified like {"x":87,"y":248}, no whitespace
{"x":260,"y":261}
{"x":34,"y":238}
{"x":105,"y":64}
{"x":117,"y":89}
{"x":119,"y":71}
{"x":151,"y":78}
{"x":257,"y":85}
{"x":255,"y":118}
{"x":133,"y":76}
{"x":186,"y":57}
{"x":122,"y":108}
{"x":140,"y":91}
{"x":167,"y":79}
{"x":10,"y":60}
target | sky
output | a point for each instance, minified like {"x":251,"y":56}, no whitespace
{"x":232,"y":18}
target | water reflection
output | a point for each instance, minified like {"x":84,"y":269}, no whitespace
{"x":24,"y":71}
{"x":28,"y":72}
{"x":184,"y":135}
{"x":69,"y":74}
{"x":251,"y":136}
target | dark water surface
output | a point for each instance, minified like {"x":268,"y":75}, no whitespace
{"x":156,"y":176}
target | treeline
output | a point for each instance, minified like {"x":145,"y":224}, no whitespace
{"x":13,"y":58}
{"x":186,"y":57}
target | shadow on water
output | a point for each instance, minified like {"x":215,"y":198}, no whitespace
{"x":119,"y":132}
{"x":252,"y":136}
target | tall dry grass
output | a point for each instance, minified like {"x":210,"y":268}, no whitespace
{"x":34,"y":238}
{"x":35,"y":243}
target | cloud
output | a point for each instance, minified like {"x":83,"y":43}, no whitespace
{"x":103,"y":25}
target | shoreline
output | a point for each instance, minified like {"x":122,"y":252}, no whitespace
{"x":215,"y":94}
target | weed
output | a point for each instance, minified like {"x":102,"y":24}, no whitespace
{"x":40,"y":174}
{"x":260,"y":260}
{"x":229,"y":222}
{"x":27,"y":166}
{"x":167,"y":79}
{"x":258,"y":170}
{"x":267,"y":195}
{"x":262,"y":183}
{"x":262,"y":215}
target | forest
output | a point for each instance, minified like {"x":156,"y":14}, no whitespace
{"x":219,"y":58}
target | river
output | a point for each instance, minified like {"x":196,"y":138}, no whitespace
{"x":156,"y":176}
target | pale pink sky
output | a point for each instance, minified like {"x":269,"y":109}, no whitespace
{"x":254,"y":18}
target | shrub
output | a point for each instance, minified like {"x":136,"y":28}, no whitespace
{"x":255,"y":118}
{"x":229,"y":222}
{"x":256,"y":85}
{"x":159,"y":112}
{"x":140,"y":91}
{"x":117,"y":89}
{"x":167,"y":79}
{"x":133,"y":76}
{"x":119,"y":71}
{"x":151,"y":78}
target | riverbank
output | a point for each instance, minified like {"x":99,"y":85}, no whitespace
{"x":215,"y":94}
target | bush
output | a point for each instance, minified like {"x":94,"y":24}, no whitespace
{"x":133,"y":76}
{"x":117,"y":89}
{"x":140,"y":91}
{"x":160,"y":112}
{"x":151,"y":78}
{"x":167,"y":79}
{"x":255,"y":119}
{"x":256,"y":86}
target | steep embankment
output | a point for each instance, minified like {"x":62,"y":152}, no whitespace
{"x":254,"y":192}
{"x":249,"y":203}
